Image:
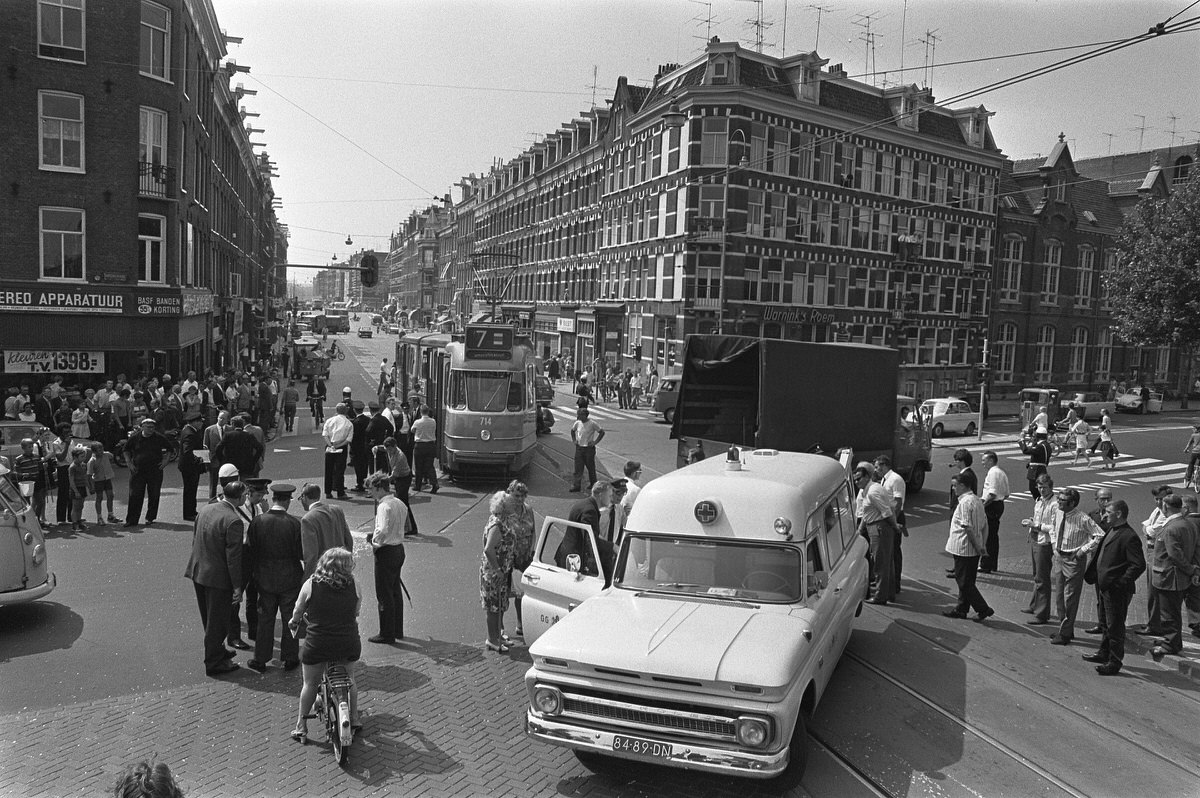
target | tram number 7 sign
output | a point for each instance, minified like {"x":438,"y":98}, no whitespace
{"x":489,"y":342}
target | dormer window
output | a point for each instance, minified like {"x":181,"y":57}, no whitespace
{"x":1059,"y":189}
{"x":771,"y":74}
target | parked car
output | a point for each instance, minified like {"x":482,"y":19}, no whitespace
{"x":394,"y":329}
{"x":365,"y":332}
{"x":1087,"y":405}
{"x":12,"y":432}
{"x":949,"y":415}
{"x":544,"y":390}
{"x":1132,"y":402}
{"x":664,"y":398}
{"x":972,"y":400}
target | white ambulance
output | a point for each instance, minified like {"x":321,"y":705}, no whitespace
{"x":710,"y":633}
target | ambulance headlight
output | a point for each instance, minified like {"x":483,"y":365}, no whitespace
{"x":547,"y":700}
{"x":753,"y":731}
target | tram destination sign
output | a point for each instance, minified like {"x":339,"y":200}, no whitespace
{"x":488,"y":342}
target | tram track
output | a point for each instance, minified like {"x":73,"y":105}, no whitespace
{"x":1098,"y":730}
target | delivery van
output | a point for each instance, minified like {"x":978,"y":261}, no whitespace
{"x":24,"y":572}
{"x":707,"y":634}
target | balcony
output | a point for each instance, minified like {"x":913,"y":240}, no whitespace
{"x":709,"y":229}
{"x":156,"y":180}
{"x":706,"y":303}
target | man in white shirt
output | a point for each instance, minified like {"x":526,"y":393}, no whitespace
{"x":633,"y":472}
{"x":585,"y":434}
{"x":873,"y":507}
{"x":1150,"y":529}
{"x":424,"y":432}
{"x":995,"y":491}
{"x":893,"y":485}
{"x":337,"y":432}
{"x":1072,"y":535}
{"x":965,"y":544}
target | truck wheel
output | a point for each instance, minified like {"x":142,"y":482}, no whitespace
{"x":938,"y":429}
{"x":916,"y":478}
{"x":970,"y":429}
{"x":797,"y":756}
{"x":669,"y":415}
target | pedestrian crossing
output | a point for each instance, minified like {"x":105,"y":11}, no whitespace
{"x":1130,"y":470}
{"x":604,"y":413}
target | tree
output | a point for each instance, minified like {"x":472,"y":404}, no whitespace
{"x":1154,"y":281}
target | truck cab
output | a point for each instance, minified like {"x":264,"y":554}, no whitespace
{"x":708,"y":634}
{"x":24,"y":571}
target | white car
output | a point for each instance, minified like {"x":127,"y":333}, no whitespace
{"x":1087,"y":405}
{"x":949,"y":415}
{"x":1132,"y":402}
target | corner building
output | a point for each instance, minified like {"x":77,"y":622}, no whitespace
{"x":742,"y":193}
{"x":137,"y":233}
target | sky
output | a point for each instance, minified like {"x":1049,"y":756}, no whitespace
{"x":372,"y":108}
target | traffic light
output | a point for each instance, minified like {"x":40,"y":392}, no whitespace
{"x":369,"y":270}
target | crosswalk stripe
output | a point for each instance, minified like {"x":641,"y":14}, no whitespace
{"x":606,"y":412}
{"x":1161,"y":477}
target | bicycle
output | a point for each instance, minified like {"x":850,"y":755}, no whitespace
{"x":332,"y":706}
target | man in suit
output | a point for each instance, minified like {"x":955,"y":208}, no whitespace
{"x":240,"y":448}
{"x":254,"y":505}
{"x":1174,"y":573}
{"x":190,"y":466}
{"x":212,"y":438}
{"x":260,"y":435}
{"x":45,"y":406}
{"x":215,"y":568}
{"x":587,"y":511}
{"x":379,"y":428}
{"x":275,"y":560}
{"x":1114,"y":570}
{"x":360,"y":453}
{"x":323,"y":526}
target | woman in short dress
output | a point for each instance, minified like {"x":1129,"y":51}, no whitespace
{"x":329,"y":602}
{"x":523,"y":540}
{"x":495,"y":565}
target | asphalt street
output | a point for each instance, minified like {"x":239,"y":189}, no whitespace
{"x":107,"y":668}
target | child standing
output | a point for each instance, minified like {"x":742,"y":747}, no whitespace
{"x":77,"y":478}
{"x":100,"y":477}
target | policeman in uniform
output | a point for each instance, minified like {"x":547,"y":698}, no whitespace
{"x":254,"y":506}
{"x":275,"y":562}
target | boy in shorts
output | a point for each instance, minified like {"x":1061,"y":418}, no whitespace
{"x":100,"y":477}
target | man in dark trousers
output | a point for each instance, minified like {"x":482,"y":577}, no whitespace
{"x":1115,"y":570}
{"x":215,"y":568}
{"x":359,"y":451}
{"x":1100,"y":516}
{"x":191,"y":466}
{"x":323,"y":526}
{"x":379,"y":428}
{"x":1174,"y":572}
{"x":146,"y":452}
{"x":275,"y":560}
{"x":239,"y":448}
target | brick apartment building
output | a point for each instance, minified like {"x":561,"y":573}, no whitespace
{"x":136,"y":225}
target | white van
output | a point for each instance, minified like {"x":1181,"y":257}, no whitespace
{"x":24,"y":575}
{"x":706,"y":638}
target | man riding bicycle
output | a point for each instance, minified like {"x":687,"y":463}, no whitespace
{"x":1193,"y":449}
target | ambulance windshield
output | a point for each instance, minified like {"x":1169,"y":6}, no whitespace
{"x":710,"y":568}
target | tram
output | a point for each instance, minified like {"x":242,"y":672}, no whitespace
{"x":480,"y":386}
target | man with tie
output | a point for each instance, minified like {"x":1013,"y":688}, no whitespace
{"x":1174,"y":573}
{"x":323,"y":526}
{"x":1072,"y":536}
{"x":212,"y":439}
{"x":275,"y":560}
{"x":1118,"y":564}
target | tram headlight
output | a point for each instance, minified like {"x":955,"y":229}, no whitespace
{"x":547,"y":700}
{"x":485,"y":434}
{"x":753,"y":731}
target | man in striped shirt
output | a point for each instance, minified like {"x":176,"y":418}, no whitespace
{"x":1072,"y":535}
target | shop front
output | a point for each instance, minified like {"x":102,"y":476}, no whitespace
{"x":88,"y":332}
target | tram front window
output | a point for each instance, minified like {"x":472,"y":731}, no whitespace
{"x":487,"y":391}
